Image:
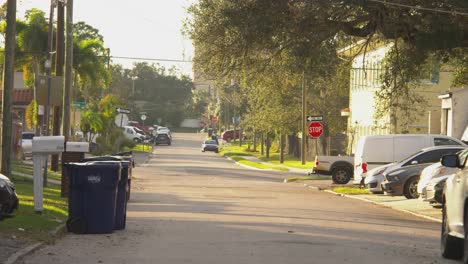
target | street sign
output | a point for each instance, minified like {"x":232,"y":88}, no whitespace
{"x":79,"y":104}
{"x":143,"y":117}
{"x":314,"y":118}
{"x":122,"y":110}
{"x":121,"y":120}
{"x":315,"y":129}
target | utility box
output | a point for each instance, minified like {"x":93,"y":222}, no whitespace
{"x":74,"y":152}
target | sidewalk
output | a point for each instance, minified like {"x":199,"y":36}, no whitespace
{"x":415,"y":207}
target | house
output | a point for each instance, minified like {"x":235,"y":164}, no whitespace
{"x":454,"y":114}
{"x":21,"y":97}
{"x":365,"y":81}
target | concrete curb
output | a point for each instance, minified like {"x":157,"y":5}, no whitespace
{"x":23,"y":252}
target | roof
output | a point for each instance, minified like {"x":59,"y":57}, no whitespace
{"x":20,"y":96}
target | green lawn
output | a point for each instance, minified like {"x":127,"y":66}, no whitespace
{"x":308,"y":178}
{"x":350,"y":190}
{"x":19,"y":166}
{"x":141,"y":148}
{"x":236,"y":150}
{"x":29,"y":225}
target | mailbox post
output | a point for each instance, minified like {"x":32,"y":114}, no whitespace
{"x":42,"y":147}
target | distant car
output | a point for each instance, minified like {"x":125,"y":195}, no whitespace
{"x":229,"y":135}
{"x":26,"y":142}
{"x":8,"y":198}
{"x":133,"y":134}
{"x":424,"y":157}
{"x":164,"y":130}
{"x":210,"y":145}
{"x":163,"y":138}
{"x":454,"y":235}
{"x":404,"y":180}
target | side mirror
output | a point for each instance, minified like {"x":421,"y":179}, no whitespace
{"x":450,"y":160}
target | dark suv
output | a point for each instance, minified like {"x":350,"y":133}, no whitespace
{"x":162,"y":139}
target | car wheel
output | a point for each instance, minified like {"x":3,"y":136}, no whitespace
{"x":410,"y":190}
{"x":451,"y":247}
{"x":216,"y":151}
{"x":341,"y":175}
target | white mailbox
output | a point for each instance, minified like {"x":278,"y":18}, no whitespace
{"x":48,"y":144}
{"x":77,"y":147}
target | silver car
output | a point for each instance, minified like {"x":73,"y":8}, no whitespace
{"x":375,"y":178}
{"x":434,"y":171}
{"x":454,"y":209}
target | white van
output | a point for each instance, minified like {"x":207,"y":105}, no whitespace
{"x":374,"y":151}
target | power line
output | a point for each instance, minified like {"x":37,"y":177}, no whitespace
{"x":148,"y":59}
{"x":420,"y":8}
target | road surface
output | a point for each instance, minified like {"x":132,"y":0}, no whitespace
{"x":194,"y":207}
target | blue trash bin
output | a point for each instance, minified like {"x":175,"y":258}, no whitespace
{"x":123,"y":190}
{"x":93,"y":196}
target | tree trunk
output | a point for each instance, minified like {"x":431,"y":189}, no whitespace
{"x":240,"y":137}
{"x":255,"y":141}
{"x":8,"y":85}
{"x":268,"y":145}
{"x":281,"y":148}
{"x":262,"y":145}
{"x":36,"y":84}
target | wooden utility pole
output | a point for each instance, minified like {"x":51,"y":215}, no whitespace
{"x":68,"y":71}
{"x":281,"y":147}
{"x":59,"y":62}
{"x":303,"y":145}
{"x":8,"y":85}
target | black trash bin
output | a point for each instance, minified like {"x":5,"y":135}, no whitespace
{"x":123,"y":188}
{"x":93,"y":196}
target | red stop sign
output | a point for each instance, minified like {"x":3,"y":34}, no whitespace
{"x":315,"y":129}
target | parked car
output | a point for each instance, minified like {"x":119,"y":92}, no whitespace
{"x":432,"y":172}
{"x":26,"y":143}
{"x":163,"y":130}
{"x":8,"y":198}
{"x":163,"y":138}
{"x":454,"y":208}
{"x":132,"y":134}
{"x":210,"y":145}
{"x":398,"y":171}
{"x":339,"y":167}
{"x":229,"y":135}
{"x":375,"y":151}
{"x":433,"y":192}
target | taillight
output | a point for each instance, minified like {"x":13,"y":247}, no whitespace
{"x":364,"y":167}
{"x":316,"y":161}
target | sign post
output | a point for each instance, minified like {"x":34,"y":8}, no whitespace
{"x":315,"y":129}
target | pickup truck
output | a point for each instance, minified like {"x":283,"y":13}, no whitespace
{"x":341,"y":168}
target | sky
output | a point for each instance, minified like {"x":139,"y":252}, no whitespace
{"x":136,"y":28}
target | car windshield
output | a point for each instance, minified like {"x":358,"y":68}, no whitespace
{"x":28,"y":136}
{"x":211,"y":142}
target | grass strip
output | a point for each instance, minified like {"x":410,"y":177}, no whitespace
{"x":350,"y":190}
{"x":307,"y":178}
{"x":140,"y":148}
{"x":26,"y":223}
{"x":262,"y":165}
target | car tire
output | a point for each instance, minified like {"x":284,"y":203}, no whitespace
{"x":410,"y":189}
{"x":465,"y":243}
{"x":451,"y":247}
{"x":341,"y":175}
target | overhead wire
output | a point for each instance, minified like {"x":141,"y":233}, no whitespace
{"x":420,"y":8}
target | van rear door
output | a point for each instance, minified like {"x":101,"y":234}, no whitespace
{"x":378,"y":151}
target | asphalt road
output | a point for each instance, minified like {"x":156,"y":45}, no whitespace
{"x":194,"y":207}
